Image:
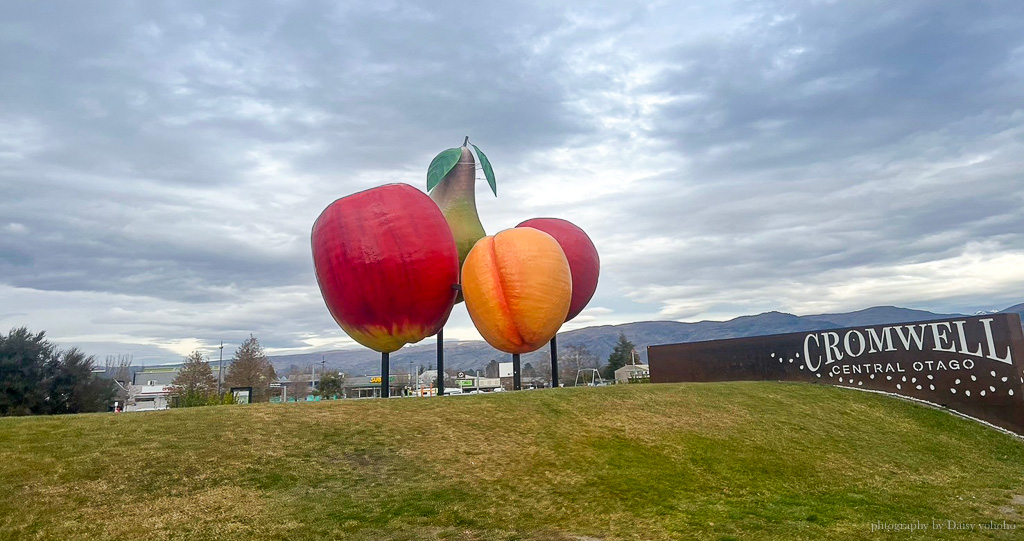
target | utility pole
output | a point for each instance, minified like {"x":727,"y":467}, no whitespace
{"x":220,"y":371}
{"x":323,"y":370}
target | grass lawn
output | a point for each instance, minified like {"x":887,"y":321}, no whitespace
{"x":738,"y":460}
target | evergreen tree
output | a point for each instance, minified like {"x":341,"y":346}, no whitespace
{"x":251,"y":368}
{"x":25,"y":361}
{"x":194,"y":385}
{"x":330,"y":385}
{"x":38,"y":379}
{"x":72,"y":386}
{"x":619,"y":357}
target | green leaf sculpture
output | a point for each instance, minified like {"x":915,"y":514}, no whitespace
{"x":488,"y":172}
{"x":441,"y":165}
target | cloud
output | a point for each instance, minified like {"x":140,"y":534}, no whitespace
{"x":161,"y":164}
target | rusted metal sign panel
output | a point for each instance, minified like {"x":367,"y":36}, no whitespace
{"x":971,"y":364}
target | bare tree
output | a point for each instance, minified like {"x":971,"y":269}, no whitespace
{"x":491,"y":370}
{"x":119,"y":368}
{"x":574,"y":358}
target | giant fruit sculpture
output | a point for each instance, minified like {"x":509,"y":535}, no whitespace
{"x":518,"y":288}
{"x":584,"y":263}
{"x":451,"y":181}
{"x":386,"y":261}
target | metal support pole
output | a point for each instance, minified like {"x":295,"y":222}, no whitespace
{"x":517,"y":380}
{"x":554,"y":361}
{"x":385,"y":379}
{"x":440,"y":362}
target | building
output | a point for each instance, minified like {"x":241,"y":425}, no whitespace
{"x":469,"y":384}
{"x":632,"y":373}
{"x":148,"y":398}
{"x":369,"y":386}
{"x":164,"y":374}
{"x":150,"y":388}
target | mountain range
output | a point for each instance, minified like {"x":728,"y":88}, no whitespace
{"x":600,"y":340}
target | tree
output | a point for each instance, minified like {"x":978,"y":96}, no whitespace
{"x":251,"y":368}
{"x":529,"y":371}
{"x":330,"y":385}
{"x":38,"y":379}
{"x":195,"y":385}
{"x":492,"y":369}
{"x":24,"y":360}
{"x":620,"y":356}
{"x":574,"y":357}
{"x":118,"y":368}
{"x":73,"y":388}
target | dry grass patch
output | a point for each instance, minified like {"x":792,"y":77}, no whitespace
{"x":714,"y":461}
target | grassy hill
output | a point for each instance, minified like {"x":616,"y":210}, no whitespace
{"x":739,"y":460}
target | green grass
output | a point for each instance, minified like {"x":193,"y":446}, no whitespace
{"x":707,"y":461}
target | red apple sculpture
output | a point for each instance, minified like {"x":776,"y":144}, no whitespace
{"x":386,"y":261}
{"x":584,"y":263}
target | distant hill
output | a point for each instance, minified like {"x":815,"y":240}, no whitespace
{"x":878,"y":314}
{"x":600,"y":340}
{"x":1015,"y":309}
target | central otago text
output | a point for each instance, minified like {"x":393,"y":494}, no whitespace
{"x":944,"y":336}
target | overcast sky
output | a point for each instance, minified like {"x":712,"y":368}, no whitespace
{"x":162,"y":163}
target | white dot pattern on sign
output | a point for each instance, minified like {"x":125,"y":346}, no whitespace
{"x":968,"y":393}
{"x":872,"y":376}
{"x":1004,"y":379}
{"x":860,"y":383}
{"x":819,"y":375}
{"x":898,"y":386}
{"x":913,"y":380}
{"x":932,"y":387}
{"x":957,"y":382}
{"x":791,"y":360}
{"x":993,"y":373}
{"x":918,"y":387}
{"x":888,"y":378}
{"x":974,"y":378}
{"x":931,"y":376}
{"x":952,"y":391}
{"x":982,"y":393}
{"x":1011,"y":392}
{"x":904,"y":378}
{"x":797,"y":355}
{"x":992,"y":388}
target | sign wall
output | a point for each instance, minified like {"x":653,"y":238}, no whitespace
{"x":969,"y":364}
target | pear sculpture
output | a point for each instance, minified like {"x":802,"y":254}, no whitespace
{"x":451,"y":182}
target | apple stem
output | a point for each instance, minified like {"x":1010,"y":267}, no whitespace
{"x":466,"y":142}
